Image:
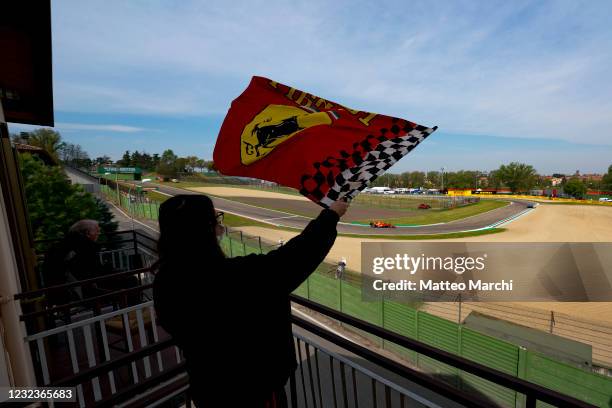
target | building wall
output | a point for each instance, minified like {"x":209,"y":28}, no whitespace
{"x":15,"y":361}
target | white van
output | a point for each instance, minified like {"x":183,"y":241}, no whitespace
{"x":380,"y":190}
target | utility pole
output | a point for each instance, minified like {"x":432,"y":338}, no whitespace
{"x":442,"y":179}
{"x":117,"y":185}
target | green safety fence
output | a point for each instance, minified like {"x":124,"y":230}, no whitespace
{"x":457,"y":339}
{"x":136,"y":208}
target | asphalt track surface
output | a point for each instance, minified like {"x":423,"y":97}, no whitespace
{"x":490,"y":219}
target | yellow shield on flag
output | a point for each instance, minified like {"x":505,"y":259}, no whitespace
{"x":274,"y":125}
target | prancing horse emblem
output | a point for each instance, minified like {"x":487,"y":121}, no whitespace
{"x":274,"y":125}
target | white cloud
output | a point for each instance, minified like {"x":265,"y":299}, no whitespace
{"x":104,"y":127}
{"x":526,"y":69}
{"x":71,"y":127}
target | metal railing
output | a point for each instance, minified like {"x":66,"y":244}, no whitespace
{"x":105,"y":374}
{"x":532,"y":392}
{"x":115,"y":351}
{"x":89,"y":343}
{"x":328,"y":379}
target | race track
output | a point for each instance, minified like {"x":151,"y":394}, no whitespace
{"x":488,"y":219}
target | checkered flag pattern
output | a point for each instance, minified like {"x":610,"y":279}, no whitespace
{"x":345,"y":176}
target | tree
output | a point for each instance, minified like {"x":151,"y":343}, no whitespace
{"x":22,"y":138}
{"x":494,"y":179}
{"x":461,"y":179}
{"x":191,"y":163}
{"x":606,"y":181}
{"x":167,"y":164}
{"x":47,"y":139}
{"x":155,"y":160}
{"x":433,"y":179}
{"x":181,"y":165}
{"x":101,"y":160}
{"x":54,"y":204}
{"x":517,"y":176}
{"x":126,"y":160}
{"x":413,"y":179}
{"x":146,"y":162}
{"x":74,"y":155}
{"x":136,"y":159}
{"x":575,"y":187}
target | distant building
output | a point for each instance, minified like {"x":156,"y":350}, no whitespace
{"x":37,"y":151}
{"x":556,"y":181}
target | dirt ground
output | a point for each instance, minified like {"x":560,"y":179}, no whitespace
{"x":590,"y":323}
{"x":548,"y":223}
{"x":247,"y":192}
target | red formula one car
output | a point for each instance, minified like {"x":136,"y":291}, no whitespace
{"x":424,"y":206}
{"x":380,"y":224}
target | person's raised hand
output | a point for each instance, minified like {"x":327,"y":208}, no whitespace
{"x":339,"y":207}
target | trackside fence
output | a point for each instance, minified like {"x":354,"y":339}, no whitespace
{"x":343,"y":293}
{"x":455,"y":338}
{"x":134,"y":204}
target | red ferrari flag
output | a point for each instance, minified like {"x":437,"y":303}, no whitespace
{"x":325,"y":150}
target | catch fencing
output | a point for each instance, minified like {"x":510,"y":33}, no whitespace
{"x":136,"y":205}
{"x":342,"y":292}
{"x":447,"y":335}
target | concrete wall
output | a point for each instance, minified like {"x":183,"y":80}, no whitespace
{"x":89,"y":183}
{"x":15,"y":360}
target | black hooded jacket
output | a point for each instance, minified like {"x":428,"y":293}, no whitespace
{"x":231,"y":316}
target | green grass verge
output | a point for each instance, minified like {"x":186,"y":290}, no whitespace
{"x":153,"y":195}
{"x":432,"y":216}
{"x":409,"y":202}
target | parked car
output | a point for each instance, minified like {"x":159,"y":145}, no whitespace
{"x":605,"y":199}
{"x":381,"y":224}
{"x":424,"y":206}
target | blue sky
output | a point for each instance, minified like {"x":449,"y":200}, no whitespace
{"x":505,"y":81}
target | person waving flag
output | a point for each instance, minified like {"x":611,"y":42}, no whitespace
{"x":325,"y":150}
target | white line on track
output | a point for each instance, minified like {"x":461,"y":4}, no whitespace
{"x":280,"y":218}
{"x":166,"y":194}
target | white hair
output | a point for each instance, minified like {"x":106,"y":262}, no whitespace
{"x":84,"y":227}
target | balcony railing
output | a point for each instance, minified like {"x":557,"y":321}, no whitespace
{"x":113,"y":351}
